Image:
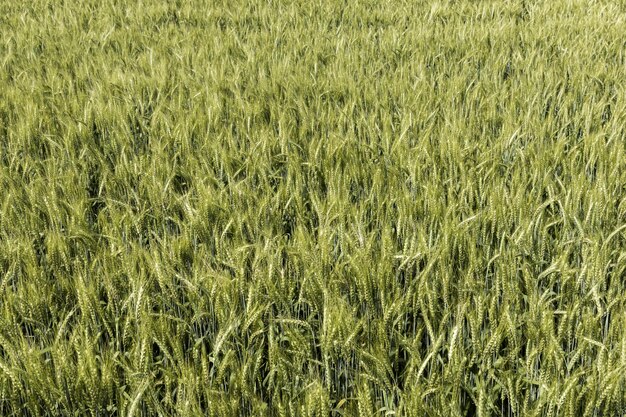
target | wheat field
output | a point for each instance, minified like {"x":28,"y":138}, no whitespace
{"x":313,"y":208}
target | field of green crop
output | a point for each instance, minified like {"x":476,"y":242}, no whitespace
{"x":313,"y":208}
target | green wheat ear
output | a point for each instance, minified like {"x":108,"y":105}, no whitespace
{"x":312,"y":208}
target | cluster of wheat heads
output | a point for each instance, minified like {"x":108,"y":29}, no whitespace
{"x":312,"y":208}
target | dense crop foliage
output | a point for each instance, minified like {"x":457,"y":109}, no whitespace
{"x":313,"y":208}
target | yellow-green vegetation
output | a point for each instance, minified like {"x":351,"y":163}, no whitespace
{"x":313,"y":208}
